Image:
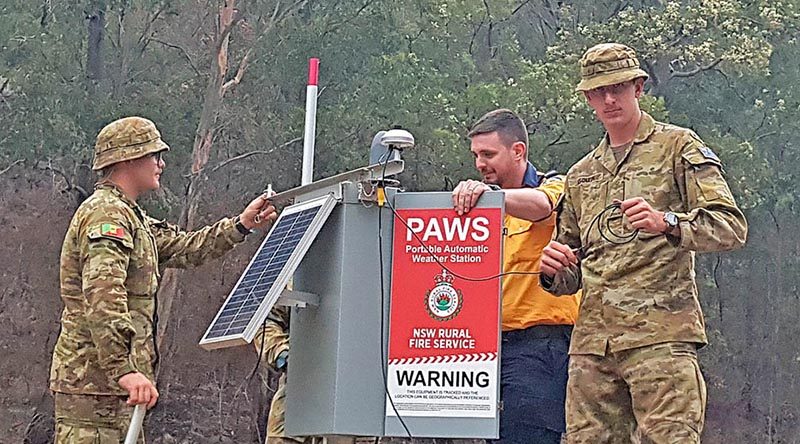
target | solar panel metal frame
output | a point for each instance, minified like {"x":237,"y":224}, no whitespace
{"x":326,"y":204}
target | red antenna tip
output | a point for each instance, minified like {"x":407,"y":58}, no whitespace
{"x":313,"y":71}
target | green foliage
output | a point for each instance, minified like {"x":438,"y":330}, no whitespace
{"x":725,"y":68}
{"x":432,"y":66}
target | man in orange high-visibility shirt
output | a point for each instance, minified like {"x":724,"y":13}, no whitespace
{"x":536,"y":325}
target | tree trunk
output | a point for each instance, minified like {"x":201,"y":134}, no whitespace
{"x":201,"y":152}
{"x":96,"y":18}
{"x":207,"y":128}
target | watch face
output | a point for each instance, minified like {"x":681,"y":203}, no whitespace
{"x":671,"y":219}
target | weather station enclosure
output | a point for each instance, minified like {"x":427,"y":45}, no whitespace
{"x":395,"y":318}
{"x":387,"y":337}
{"x":376,"y":327}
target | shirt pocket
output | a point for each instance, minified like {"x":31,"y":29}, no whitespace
{"x":517,"y":238}
{"x":589,"y":199}
{"x":630,"y":300}
{"x":525,"y":240}
{"x":657,"y":187}
{"x":590,"y":189}
{"x":677,"y":302}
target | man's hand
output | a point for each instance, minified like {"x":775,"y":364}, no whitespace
{"x":466,"y":195}
{"x":556,"y":257}
{"x":140,"y":389}
{"x":642,"y":216}
{"x":260,"y":213}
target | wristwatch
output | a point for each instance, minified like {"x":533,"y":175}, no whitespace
{"x":237,"y":222}
{"x":671,"y":219}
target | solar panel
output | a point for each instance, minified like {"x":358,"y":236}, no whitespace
{"x":270,"y":269}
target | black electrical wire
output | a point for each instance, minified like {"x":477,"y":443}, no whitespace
{"x":260,"y":350}
{"x":255,"y":369}
{"x":608,"y":234}
{"x":382,"y":196}
{"x":249,"y":378}
{"x":156,"y":352}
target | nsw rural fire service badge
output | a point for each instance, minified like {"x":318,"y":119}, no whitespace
{"x":443,"y":302}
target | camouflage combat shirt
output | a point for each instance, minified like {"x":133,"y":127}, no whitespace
{"x":644,"y":292}
{"x":110,"y":263}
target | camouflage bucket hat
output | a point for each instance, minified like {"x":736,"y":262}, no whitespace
{"x":608,"y":64}
{"x":126,"y":139}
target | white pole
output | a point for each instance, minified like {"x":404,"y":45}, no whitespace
{"x":136,"y":424}
{"x":311,"y":122}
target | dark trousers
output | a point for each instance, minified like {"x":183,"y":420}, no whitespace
{"x":533,"y":384}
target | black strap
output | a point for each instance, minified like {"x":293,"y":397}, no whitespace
{"x":547,"y":175}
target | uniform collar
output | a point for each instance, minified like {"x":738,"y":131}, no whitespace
{"x":114,"y":189}
{"x":603,"y":151}
{"x":531,"y":178}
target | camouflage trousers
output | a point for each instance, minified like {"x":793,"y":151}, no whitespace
{"x":277,"y":417}
{"x":92,"y":419}
{"x":653,"y":394}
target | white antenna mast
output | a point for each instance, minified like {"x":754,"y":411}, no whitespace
{"x":311,"y":122}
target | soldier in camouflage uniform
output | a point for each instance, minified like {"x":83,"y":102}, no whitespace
{"x":633,"y":370}
{"x":273,"y":346}
{"x":110,"y":269}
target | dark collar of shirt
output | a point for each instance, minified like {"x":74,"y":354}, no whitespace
{"x":531,"y":178}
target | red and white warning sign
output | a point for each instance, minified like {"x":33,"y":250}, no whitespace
{"x":443,"y":330}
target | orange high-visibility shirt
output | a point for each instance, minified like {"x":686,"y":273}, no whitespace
{"x":525,"y":303}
